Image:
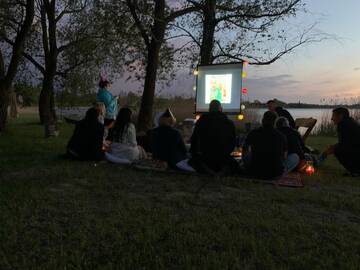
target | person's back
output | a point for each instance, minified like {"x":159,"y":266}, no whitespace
{"x":87,"y":140}
{"x":214,"y":139}
{"x":285,"y":113}
{"x":295,"y":143}
{"x":166,"y":144}
{"x":268,"y":147}
{"x":349,"y":133}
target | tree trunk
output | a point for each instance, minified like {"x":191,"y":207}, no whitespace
{"x":209,"y":23}
{"x":4,"y":103}
{"x":157,"y":39}
{"x":47,"y":111}
{"x":147,"y":100}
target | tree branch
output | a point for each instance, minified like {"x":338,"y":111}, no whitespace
{"x":138,"y":23}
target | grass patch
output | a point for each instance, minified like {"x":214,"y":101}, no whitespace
{"x":57,"y":214}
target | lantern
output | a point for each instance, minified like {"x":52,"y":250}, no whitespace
{"x":310,"y":170}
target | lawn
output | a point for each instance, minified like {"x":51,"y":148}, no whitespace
{"x":58,"y":214}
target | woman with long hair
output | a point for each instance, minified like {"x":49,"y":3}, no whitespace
{"x":123,"y":147}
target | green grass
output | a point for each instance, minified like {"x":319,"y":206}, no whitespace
{"x":57,"y":214}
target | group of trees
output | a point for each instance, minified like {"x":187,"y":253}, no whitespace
{"x":59,"y":40}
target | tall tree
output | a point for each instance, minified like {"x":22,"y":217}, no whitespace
{"x":152,"y":20}
{"x":22,"y":13}
{"x":63,"y":41}
{"x":232,"y":30}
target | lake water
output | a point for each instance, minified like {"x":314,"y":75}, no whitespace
{"x":254,"y":114}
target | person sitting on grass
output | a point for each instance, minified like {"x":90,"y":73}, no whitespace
{"x":281,"y":112}
{"x":265,"y":151}
{"x":347,"y":150}
{"x":295,"y":144}
{"x":110,"y":102}
{"x":87,"y":140}
{"x":123,"y":148}
{"x":166,"y":142}
{"x":213,"y":141}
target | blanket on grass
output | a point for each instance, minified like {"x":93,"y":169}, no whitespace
{"x":293,"y":179}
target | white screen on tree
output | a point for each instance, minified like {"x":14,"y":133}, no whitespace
{"x":220,"y":82}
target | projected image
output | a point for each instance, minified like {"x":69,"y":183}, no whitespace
{"x":218,"y":87}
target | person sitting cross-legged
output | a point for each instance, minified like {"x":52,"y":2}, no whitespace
{"x":87,"y":140}
{"x":167,"y":144}
{"x":347,"y":150}
{"x":265,"y":151}
{"x":123,"y":148}
{"x":213,"y":141}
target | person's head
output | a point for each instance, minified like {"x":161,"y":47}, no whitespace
{"x":104,"y":83}
{"x":215,"y":106}
{"x":123,"y":119}
{"x":269,"y":119}
{"x":167,"y":119}
{"x":100,"y":108}
{"x":91,"y":116}
{"x":271,"y":104}
{"x":339,"y":114}
{"x":282,"y":122}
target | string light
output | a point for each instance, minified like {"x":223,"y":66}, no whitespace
{"x":245,"y":63}
{"x":197,"y":117}
{"x":244,"y":74}
{"x":244,"y":91}
{"x":243,"y":107}
{"x":194,"y":88}
{"x":241,"y":117}
{"x":196,"y":72}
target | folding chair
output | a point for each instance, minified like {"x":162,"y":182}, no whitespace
{"x":308,"y":123}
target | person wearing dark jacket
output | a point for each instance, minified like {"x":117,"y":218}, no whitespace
{"x":87,"y":140}
{"x":213,"y":141}
{"x":347,"y":150}
{"x":295,"y":144}
{"x":265,"y":151}
{"x":281,"y":112}
{"x":166,"y":142}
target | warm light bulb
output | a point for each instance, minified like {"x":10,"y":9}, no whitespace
{"x":196,"y":72}
{"x":197,"y":117}
{"x":241,"y":117}
{"x":310,"y":170}
{"x":194,"y":88}
{"x":244,"y":74}
{"x":244,"y":91}
{"x":245,"y":63}
{"x":243,"y":107}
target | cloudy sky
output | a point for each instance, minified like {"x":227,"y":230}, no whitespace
{"x":327,"y":70}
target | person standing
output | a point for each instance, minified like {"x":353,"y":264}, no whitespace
{"x":347,"y":150}
{"x":110,"y":102}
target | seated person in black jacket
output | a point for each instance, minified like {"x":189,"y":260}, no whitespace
{"x":213,"y":141}
{"x":87,"y":140}
{"x":295,"y":144}
{"x":166,"y":142}
{"x":265,"y":151}
{"x":347,"y":150}
{"x":281,"y":112}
